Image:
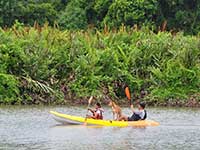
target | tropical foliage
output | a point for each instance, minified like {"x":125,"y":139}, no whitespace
{"x":176,"y":15}
{"x":44,"y":64}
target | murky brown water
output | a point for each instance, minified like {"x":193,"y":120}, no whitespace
{"x":33,"y":128}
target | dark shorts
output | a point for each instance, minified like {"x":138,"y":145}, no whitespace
{"x":130,"y":119}
{"x":134,"y":117}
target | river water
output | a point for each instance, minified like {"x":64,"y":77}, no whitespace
{"x":31,"y":127}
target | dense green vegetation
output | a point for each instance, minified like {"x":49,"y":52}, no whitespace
{"x":45,"y":64}
{"x":171,"y":15}
{"x":56,"y":50}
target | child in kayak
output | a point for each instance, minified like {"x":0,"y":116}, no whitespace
{"x":137,"y":115}
{"x":97,"y":113}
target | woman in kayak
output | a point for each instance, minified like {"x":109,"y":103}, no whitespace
{"x":141,"y":114}
{"x":97,"y":113}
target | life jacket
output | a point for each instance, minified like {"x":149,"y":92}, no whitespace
{"x":99,"y":116}
{"x":145,"y":115}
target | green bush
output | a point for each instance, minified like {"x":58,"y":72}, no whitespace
{"x":46,"y":62}
{"x":9,"y":91}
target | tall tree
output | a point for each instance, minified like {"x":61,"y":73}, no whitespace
{"x":130,"y":12}
{"x":7,"y":11}
{"x":180,"y":15}
{"x":74,"y":16}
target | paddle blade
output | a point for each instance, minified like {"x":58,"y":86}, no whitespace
{"x":128,"y":94}
{"x":90,"y":100}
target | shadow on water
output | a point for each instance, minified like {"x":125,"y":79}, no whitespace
{"x":74,"y":126}
{"x":90,"y":126}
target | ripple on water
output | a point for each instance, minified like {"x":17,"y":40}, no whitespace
{"x":33,"y":128}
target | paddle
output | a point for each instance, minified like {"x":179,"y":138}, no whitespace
{"x":89,"y":102}
{"x":128,"y":94}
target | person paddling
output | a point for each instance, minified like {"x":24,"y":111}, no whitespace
{"x":97,"y":113}
{"x":141,"y":114}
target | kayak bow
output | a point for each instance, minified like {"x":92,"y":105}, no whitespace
{"x":68,"y":119}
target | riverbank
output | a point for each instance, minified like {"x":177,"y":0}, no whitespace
{"x":48,"y":65}
{"x":193,"y":101}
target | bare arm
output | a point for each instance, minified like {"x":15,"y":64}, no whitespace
{"x":132,"y":109}
{"x":92,"y":111}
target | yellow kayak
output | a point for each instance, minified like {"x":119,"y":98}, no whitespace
{"x":68,"y":119}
